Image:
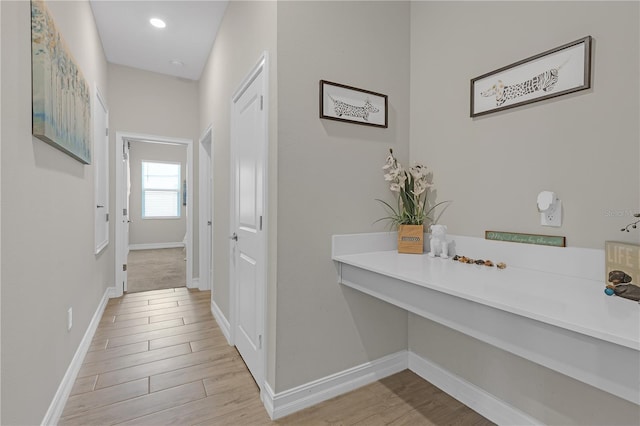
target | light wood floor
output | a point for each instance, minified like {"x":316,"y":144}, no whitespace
{"x":159,"y":358}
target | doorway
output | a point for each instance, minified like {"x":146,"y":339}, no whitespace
{"x":123,"y":210}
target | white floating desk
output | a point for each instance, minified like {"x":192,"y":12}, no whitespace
{"x":559,"y":320}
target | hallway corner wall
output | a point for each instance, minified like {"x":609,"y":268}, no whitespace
{"x":248,"y":29}
{"x":329,"y":176}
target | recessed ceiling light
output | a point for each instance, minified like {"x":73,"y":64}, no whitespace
{"x":176,"y":62}
{"x":157,"y":22}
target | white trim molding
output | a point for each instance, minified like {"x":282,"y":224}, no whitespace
{"x":154,"y":246}
{"x":59,"y":401}
{"x":470,"y":395}
{"x":284,"y":403}
{"x":287,"y":402}
{"x":195,"y":283}
{"x":222,"y":321}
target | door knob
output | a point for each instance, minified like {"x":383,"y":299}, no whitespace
{"x":234,"y":237}
{"x":209,"y":222}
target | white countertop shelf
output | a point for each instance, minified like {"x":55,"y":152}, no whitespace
{"x":520,"y":309}
{"x":573,"y":303}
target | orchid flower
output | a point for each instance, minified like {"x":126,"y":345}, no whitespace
{"x":411,"y":186}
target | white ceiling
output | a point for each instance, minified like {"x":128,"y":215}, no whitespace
{"x":129,"y":39}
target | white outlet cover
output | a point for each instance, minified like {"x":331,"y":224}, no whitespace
{"x":552,"y":218}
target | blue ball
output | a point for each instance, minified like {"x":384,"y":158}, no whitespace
{"x":609,"y":291}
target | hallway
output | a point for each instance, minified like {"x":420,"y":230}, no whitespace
{"x":159,"y":358}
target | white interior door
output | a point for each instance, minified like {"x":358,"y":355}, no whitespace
{"x":126,"y":178}
{"x":206,"y":215}
{"x":248,"y":259}
{"x":101,"y":172}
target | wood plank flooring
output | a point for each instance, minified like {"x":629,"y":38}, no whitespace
{"x":159,"y":358}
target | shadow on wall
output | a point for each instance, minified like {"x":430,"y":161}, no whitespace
{"x":367,"y":311}
{"x":49,"y":158}
{"x":351,"y":131}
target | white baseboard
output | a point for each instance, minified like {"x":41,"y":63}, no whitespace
{"x":290,"y":401}
{"x":201,"y":285}
{"x":112,"y":292}
{"x":222,"y":321}
{"x":284,"y":403}
{"x":195,"y":283}
{"x":153,"y":246}
{"x":54,"y":412}
{"x":470,"y":395}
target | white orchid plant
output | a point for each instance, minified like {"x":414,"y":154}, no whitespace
{"x":411,"y":186}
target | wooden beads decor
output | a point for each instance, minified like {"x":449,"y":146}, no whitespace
{"x":465,"y":259}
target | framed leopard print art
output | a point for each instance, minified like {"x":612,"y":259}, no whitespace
{"x":556,"y":72}
{"x":346,"y":103}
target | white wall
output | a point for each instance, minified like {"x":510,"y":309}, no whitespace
{"x":248,"y":29}
{"x":155,"y":231}
{"x":47,"y":221}
{"x":584,"y":146}
{"x":329,"y":175}
{"x":148,"y":103}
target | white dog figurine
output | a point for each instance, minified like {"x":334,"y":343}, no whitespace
{"x":439,"y":245}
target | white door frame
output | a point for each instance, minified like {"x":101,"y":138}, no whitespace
{"x":262,"y":66}
{"x":121,"y":245}
{"x":205,"y":172}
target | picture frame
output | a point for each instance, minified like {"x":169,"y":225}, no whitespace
{"x":60,"y":97}
{"x":623,"y":257}
{"x":556,"y":72}
{"x":349,"y":104}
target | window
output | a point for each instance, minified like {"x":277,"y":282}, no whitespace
{"x":160,"y":190}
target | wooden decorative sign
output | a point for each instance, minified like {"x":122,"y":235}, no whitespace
{"x":623,"y":257}
{"x":512,"y":237}
{"x":411,"y":239}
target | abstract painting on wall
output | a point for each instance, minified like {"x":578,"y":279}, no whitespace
{"x":61,"y":100}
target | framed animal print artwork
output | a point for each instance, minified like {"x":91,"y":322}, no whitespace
{"x":345,"y":103}
{"x":565,"y":69}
